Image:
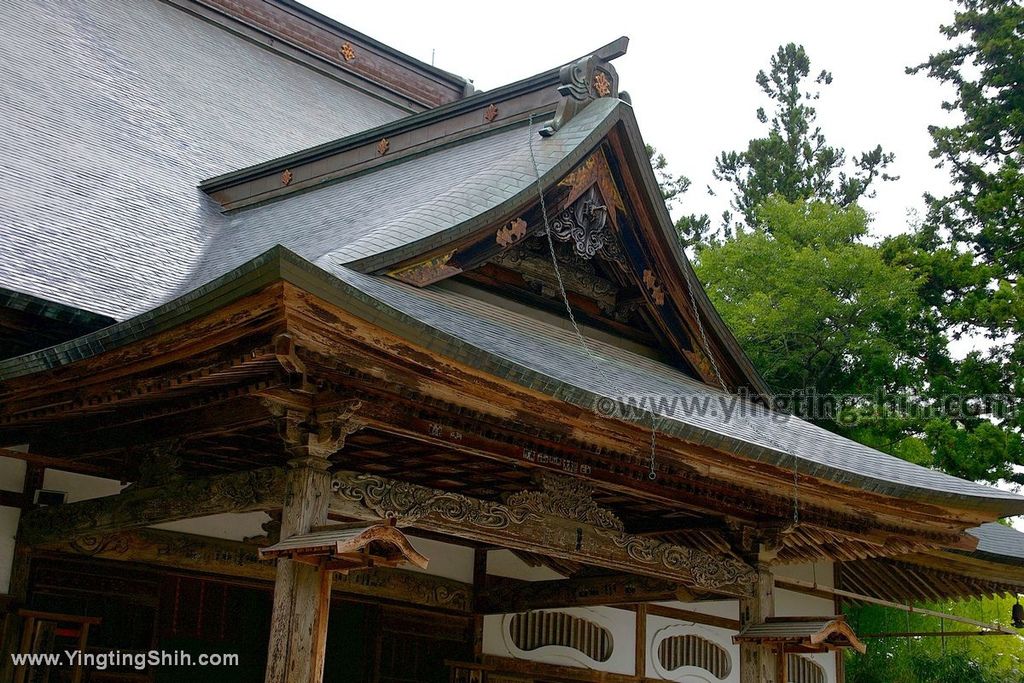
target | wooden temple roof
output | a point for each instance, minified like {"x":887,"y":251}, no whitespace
{"x":353,"y":261}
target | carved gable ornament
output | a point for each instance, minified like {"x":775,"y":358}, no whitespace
{"x":585,"y":224}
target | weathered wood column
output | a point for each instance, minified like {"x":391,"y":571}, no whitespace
{"x":298,"y":626}
{"x":759,"y":664}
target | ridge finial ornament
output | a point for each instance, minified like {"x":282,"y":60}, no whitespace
{"x":580,"y":83}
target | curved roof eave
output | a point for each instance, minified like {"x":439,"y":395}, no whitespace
{"x":362,"y":294}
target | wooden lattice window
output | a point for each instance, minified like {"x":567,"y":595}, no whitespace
{"x":533,"y":630}
{"x":803,"y":670}
{"x":690,"y":650}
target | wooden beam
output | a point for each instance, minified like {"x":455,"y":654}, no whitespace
{"x":528,"y":522}
{"x":504,"y":595}
{"x":520,"y":669}
{"x":247,"y":491}
{"x":53,"y":463}
{"x":179,"y":551}
{"x":809,"y":588}
{"x":640,"y":652}
{"x":680,"y":614}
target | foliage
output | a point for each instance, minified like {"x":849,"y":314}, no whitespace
{"x":985,"y":153}
{"x":994,"y":659}
{"x":794,"y":160}
{"x":983,"y":217}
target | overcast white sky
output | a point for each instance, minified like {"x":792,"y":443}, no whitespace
{"x":691,"y":66}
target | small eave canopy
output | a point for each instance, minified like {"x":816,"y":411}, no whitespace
{"x":349,"y":548}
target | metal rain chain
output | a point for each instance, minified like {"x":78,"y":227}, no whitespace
{"x":652,"y":460}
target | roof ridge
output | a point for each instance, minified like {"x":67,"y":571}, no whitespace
{"x":516,"y":104}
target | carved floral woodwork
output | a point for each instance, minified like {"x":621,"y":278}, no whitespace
{"x":654,"y":287}
{"x":287,"y":176}
{"x":383,"y":146}
{"x":530,"y":511}
{"x":602,"y":86}
{"x":491,"y":113}
{"x":568,"y":498}
{"x":347,"y":52}
{"x":428,"y":271}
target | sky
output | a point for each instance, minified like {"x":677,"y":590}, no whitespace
{"x":690,"y":71}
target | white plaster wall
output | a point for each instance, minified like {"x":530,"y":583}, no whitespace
{"x":620,"y":623}
{"x":12,"y":474}
{"x":80,"y":486}
{"x":660,"y":628}
{"x":447,"y":560}
{"x":505,"y":563}
{"x":230,"y":526}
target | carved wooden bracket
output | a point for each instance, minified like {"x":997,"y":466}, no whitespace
{"x":318,"y":433}
{"x":586,"y":226}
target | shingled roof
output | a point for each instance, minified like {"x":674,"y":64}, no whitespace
{"x":112,"y":119}
{"x":547,"y":357}
{"x":119,"y":227}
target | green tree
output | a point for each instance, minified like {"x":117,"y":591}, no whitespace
{"x":934,"y":659}
{"x":823,"y":312}
{"x":985,"y":152}
{"x":984,"y":215}
{"x":794,"y":160}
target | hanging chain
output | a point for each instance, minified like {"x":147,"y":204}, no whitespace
{"x":551,"y":245}
{"x":652,"y":459}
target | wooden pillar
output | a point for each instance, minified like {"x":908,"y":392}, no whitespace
{"x":640,"y":654}
{"x":298,"y":627}
{"x":479,"y":585}
{"x":759,"y":664}
{"x":11,"y":626}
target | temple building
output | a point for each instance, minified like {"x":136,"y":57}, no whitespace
{"x":315,"y":356}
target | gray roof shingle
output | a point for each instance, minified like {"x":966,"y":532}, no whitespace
{"x":111,"y":120}
{"x":399,"y":208}
{"x":999,"y":541}
{"x":548,"y":358}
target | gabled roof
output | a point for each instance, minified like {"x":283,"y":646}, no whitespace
{"x":407,"y":207}
{"x":121,"y":228}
